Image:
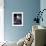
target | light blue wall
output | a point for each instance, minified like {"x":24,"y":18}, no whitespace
{"x":43,"y":6}
{"x":28,"y":7}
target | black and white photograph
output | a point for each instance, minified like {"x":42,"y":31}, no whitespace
{"x":17,"y":19}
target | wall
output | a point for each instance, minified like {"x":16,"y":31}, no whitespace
{"x":29,"y":8}
{"x":1,"y":20}
{"x":43,"y":6}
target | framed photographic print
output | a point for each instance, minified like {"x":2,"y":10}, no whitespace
{"x":17,"y":18}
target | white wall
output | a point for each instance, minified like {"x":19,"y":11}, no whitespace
{"x":1,"y":20}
